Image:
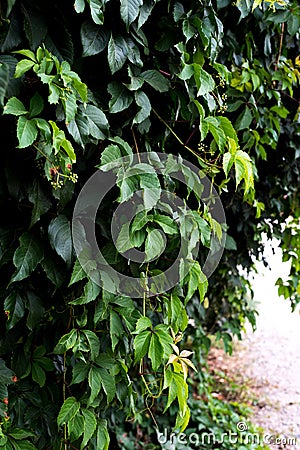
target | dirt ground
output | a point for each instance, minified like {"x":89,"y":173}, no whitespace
{"x":267,"y":362}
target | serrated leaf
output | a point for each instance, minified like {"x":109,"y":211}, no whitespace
{"x":79,"y":6}
{"x":156,"y":80}
{"x":93,"y":38}
{"x":41,"y":203}
{"x":38,"y":374}
{"x":244,"y":119}
{"x":79,"y":128}
{"x":15,"y":306}
{"x":68,"y":410}
{"x":19,"y":434}
{"x":108,"y":384}
{"x":94,"y":343}
{"x":142,"y":324}
{"x":91,"y":291}
{"x":23,"y":67}
{"x":102,"y":435}
{"x":96,"y":7}
{"x":26,"y":132}
{"x":110,"y":153}
{"x":4,"y":81}
{"x":60,"y":238}
{"x":121,"y":98}
{"x":36,"y":105}
{"x":90,"y":425}
{"x":94,"y":380}
{"x":228,"y":160}
{"x":80,"y":371}
{"x":14,"y":106}
{"x":204,"y":81}
{"x":66,"y":342}
{"x":117,"y":53}
{"x":129,"y":10}
{"x":155,"y":352}
{"x":167,"y":223}
{"x":97,"y":122}
{"x":154,"y":244}
{"x":27,"y":256}
{"x":123,"y":242}
{"x":143,"y":102}
{"x":141,"y":345}
{"x":116,"y":328}
{"x":76,"y":426}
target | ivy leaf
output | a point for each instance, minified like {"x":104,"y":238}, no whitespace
{"x":26,"y":132}
{"x":97,"y":122}
{"x":96,"y":7}
{"x":36,"y":105}
{"x":76,"y":426}
{"x":166,"y":223}
{"x":66,"y":342}
{"x":141,"y":345}
{"x":91,"y":292}
{"x":41,"y":203}
{"x":94,"y":380}
{"x":155,"y":244}
{"x":244,"y":120}
{"x":108,"y":384}
{"x":38,"y":374}
{"x":142,"y":324}
{"x":110,"y":154}
{"x":155,"y":352}
{"x":228,"y":160}
{"x":94,"y":343}
{"x":130,"y":10}
{"x":123,"y":242}
{"x":143,"y":102}
{"x":59,"y":232}
{"x":27,"y":256}
{"x":90,"y":425}
{"x":93,"y":38}
{"x":23,"y":67}
{"x":4,"y":81}
{"x":116,"y":328}
{"x":117,"y":53}
{"x":15,"y":306}
{"x":156,"y":80}
{"x":68,"y":410}
{"x":121,"y":98}
{"x":204,"y":81}
{"x":14,"y":106}
{"x":102,"y":435}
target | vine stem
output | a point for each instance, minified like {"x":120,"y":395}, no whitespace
{"x":280,"y":46}
{"x":179,"y":140}
{"x":136,"y":144}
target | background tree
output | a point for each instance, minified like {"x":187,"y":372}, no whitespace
{"x":214,"y":82}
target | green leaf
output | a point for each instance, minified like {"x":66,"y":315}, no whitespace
{"x":96,"y":7}
{"x":142,"y":324}
{"x":110,"y":154}
{"x":121,"y":98}
{"x":117,"y":53}
{"x":4,"y":81}
{"x":95,"y":382}
{"x":90,"y":425}
{"x":68,"y":410}
{"x":36,"y":105}
{"x":244,"y":120}
{"x":97,"y":122}
{"x":129,"y":10}
{"x":116,"y":328}
{"x":79,"y":273}
{"x":141,"y":345}
{"x":204,"y":81}
{"x":15,"y":306}
{"x":167,"y":223}
{"x":124,"y":242}
{"x":28,"y":53}
{"x":26,"y":132}
{"x":76,"y":426}
{"x":228,"y":160}
{"x":19,"y":434}
{"x":38,"y":374}
{"x":108,"y":384}
{"x":66,"y":342}
{"x":94,"y":343}
{"x":79,"y":6}
{"x":143,"y":102}
{"x":23,"y":67}
{"x":93,"y":38}
{"x":154,"y":245}
{"x":79,"y":372}
{"x":59,"y":232}
{"x":156,"y":80}
{"x":41,"y":203}
{"x":27,"y":256}
{"x":102,"y":442}
{"x":216,"y":131}
{"x":14,"y":106}
{"x":6,"y":374}
{"x":155,"y":352}
{"x":91,"y":292}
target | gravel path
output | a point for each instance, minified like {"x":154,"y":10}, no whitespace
{"x":272,"y":358}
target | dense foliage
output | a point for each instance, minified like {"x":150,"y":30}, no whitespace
{"x":81,"y":87}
